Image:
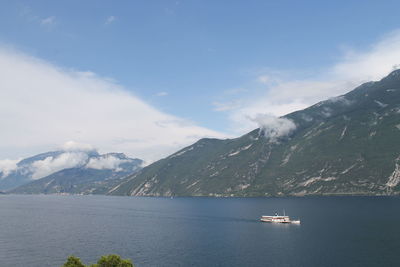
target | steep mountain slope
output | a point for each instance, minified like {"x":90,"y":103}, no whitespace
{"x":69,"y":172}
{"x":345,"y":145}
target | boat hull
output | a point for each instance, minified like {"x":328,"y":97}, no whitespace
{"x":278,"y":219}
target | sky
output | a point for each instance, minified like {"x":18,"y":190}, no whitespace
{"x":147,"y":78}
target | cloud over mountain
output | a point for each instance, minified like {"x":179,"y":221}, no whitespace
{"x":273,"y":127}
{"x":42,"y":105}
{"x":49,"y":165}
{"x":282,"y":92}
{"x":73,"y":160}
{"x":107,"y":162}
{"x":7,"y":166}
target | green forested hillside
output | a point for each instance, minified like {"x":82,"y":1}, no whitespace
{"x":346,"y":145}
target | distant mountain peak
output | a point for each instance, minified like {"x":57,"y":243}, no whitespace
{"x":45,"y":164}
{"x":395,"y":73}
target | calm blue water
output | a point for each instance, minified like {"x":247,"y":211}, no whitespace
{"x":40,"y":231}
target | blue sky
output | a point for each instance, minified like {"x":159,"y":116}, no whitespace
{"x":213,"y":64}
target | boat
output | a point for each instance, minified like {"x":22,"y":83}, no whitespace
{"x":278,"y":219}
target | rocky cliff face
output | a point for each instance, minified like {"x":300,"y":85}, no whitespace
{"x":344,"y":145}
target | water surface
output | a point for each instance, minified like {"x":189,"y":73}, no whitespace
{"x":41,"y":231}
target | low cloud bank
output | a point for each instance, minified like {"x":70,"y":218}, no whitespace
{"x":7,"y":166}
{"x":73,"y":155}
{"x":49,"y":165}
{"x":273,"y":127}
{"x":107,"y":162}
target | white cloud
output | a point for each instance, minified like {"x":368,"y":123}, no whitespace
{"x":162,"y":94}
{"x":7,"y":166}
{"x":241,"y":117}
{"x":75,"y":146}
{"x":265,"y":79}
{"x":273,"y":127}
{"x":42,"y":105}
{"x":282,"y":95}
{"x":373,"y":63}
{"x":107,"y":162}
{"x":49,"y":165}
{"x":110,"y":20}
{"x":48,"y":21}
{"x":29,"y":14}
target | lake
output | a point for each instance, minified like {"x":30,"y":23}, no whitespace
{"x":41,"y":231}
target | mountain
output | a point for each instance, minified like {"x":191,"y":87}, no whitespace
{"x":24,"y":171}
{"x":344,"y":145}
{"x":67,"y":172}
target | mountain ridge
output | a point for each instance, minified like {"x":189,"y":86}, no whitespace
{"x":340,"y":146}
{"x":67,"y":171}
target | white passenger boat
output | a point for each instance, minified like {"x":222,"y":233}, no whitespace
{"x":278,"y":219}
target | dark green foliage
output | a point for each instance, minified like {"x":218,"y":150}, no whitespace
{"x":345,"y":145}
{"x":105,"y":261}
{"x":73,"y":261}
{"x":112,"y":261}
